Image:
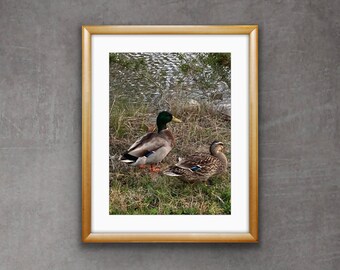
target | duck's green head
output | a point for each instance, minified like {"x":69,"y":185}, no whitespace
{"x":165,"y":117}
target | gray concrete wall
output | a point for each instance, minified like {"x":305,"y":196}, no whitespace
{"x":40,"y":135}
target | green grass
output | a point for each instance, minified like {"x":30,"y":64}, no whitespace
{"x":137,"y":191}
{"x":156,"y":194}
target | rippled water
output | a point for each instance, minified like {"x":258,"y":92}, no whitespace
{"x":154,"y":78}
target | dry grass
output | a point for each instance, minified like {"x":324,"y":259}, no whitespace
{"x":136,"y":191}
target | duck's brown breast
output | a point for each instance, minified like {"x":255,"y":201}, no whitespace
{"x":166,"y":134}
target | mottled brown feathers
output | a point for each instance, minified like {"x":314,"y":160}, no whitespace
{"x":199,"y":167}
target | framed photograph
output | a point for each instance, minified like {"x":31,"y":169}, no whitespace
{"x":170,"y":133}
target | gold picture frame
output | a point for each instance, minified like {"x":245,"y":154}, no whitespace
{"x":87,"y":235}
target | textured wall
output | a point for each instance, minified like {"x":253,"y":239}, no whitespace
{"x":40,"y":135}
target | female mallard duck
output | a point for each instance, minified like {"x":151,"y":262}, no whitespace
{"x":153,"y":147}
{"x":200,"y":167}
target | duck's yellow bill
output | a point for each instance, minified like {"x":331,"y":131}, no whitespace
{"x":176,"y":120}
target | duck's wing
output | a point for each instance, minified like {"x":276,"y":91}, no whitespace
{"x":196,"y":162}
{"x":139,"y":140}
{"x":147,"y":144}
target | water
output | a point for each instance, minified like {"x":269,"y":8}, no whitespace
{"x":155,"y":78}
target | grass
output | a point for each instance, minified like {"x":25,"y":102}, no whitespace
{"x":137,"y":191}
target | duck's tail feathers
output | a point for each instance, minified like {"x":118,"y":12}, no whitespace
{"x":172,"y":174}
{"x":127,"y":158}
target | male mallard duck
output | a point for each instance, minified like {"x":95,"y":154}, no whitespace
{"x":153,"y":147}
{"x":200,"y":167}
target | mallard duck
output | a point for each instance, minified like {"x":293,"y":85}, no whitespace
{"x":153,"y":147}
{"x":201,"y":166}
